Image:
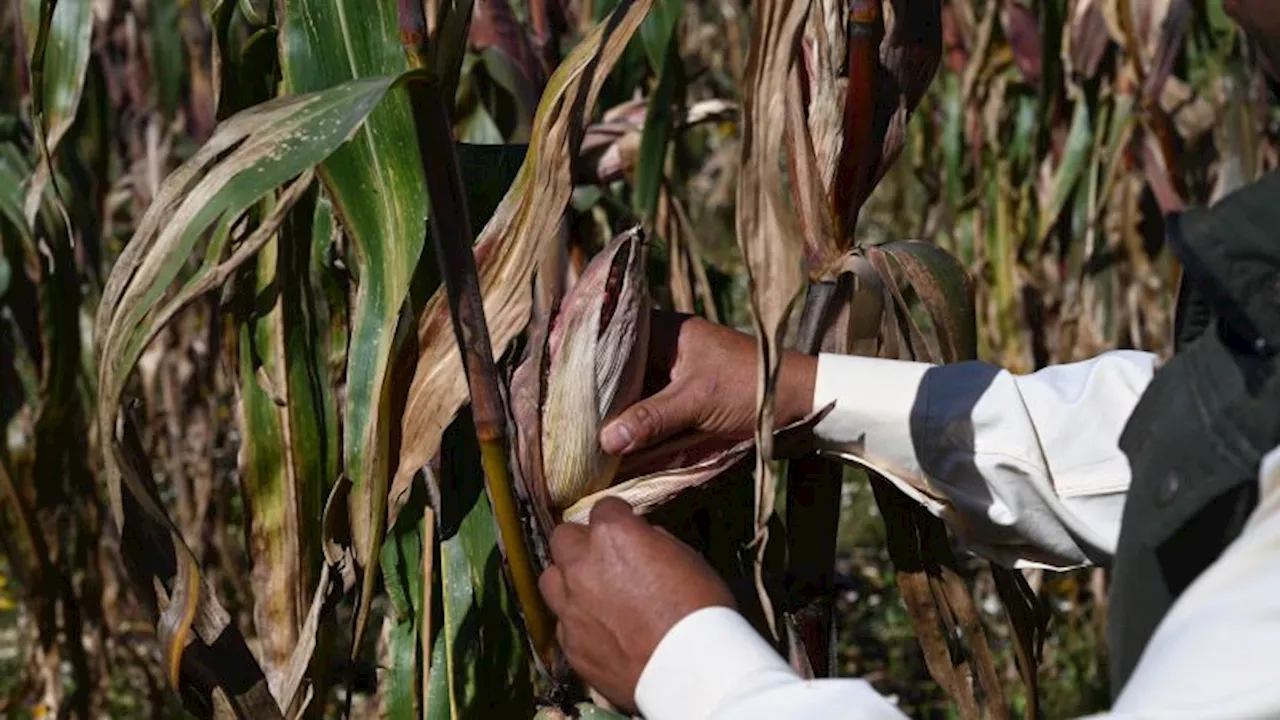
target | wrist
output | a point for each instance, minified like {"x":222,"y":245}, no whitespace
{"x":797,"y":375}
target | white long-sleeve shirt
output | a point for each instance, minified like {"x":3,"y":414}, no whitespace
{"x":1028,"y":472}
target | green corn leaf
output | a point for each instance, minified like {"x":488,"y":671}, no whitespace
{"x":249,"y":156}
{"x":1075,"y":158}
{"x":487,"y":173}
{"x":46,"y":246}
{"x":314,"y":331}
{"x":486,"y":655}
{"x":246,"y":159}
{"x":438,"y":701}
{"x":58,"y":76}
{"x":245,"y":61}
{"x":658,"y":126}
{"x":479,"y":665}
{"x":14,"y":170}
{"x":289,"y":453}
{"x":658,"y":31}
{"x":402,"y":559}
{"x":378,"y":191}
{"x":658,"y":35}
{"x":953,"y":142}
{"x":265,"y":479}
{"x":168,"y":54}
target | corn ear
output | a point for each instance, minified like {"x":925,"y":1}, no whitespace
{"x":594,"y":367}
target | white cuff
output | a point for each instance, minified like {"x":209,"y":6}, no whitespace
{"x":874,"y":399}
{"x":700,"y":662}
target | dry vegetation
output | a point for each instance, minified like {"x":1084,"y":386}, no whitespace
{"x":239,"y":459}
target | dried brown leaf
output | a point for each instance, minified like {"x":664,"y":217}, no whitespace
{"x":1086,"y":40}
{"x":768,"y":229}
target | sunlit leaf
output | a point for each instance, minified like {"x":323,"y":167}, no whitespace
{"x":946,"y":292}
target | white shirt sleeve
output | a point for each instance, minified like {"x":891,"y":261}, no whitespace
{"x":1026,"y":470}
{"x":1211,"y":656}
{"x":714,"y":666}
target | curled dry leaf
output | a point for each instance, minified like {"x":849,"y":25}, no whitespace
{"x":611,"y":147}
{"x":1087,"y":39}
{"x":910,"y":54}
{"x":1022,"y":28}
{"x":865,"y":79}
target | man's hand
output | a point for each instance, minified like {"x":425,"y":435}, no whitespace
{"x":617,"y":586}
{"x":706,"y":375}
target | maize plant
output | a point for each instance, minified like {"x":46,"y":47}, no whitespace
{"x":311,"y":312}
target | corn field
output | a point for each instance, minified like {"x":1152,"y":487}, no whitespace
{"x":311,"y":311}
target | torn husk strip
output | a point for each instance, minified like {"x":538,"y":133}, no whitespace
{"x":650,"y":492}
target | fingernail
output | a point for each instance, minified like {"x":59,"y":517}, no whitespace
{"x":616,"y":438}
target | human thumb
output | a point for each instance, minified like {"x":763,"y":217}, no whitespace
{"x":650,"y":421}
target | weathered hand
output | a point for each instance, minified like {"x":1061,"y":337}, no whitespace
{"x":705,"y":376}
{"x":617,"y":586}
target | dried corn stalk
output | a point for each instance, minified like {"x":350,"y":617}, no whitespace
{"x":858,"y":303}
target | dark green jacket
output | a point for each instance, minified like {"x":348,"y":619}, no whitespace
{"x":1197,"y":435}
